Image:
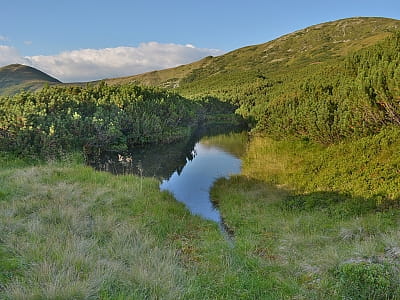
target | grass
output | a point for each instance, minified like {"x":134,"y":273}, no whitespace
{"x":69,"y":232}
{"x":294,"y":212}
{"x":367,"y":167}
{"x":304,"y":248}
{"x":68,"y":228}
{"x":296,"y":50}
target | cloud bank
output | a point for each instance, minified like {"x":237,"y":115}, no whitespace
{"x":94,"y":64}
{"x":10,"y":55}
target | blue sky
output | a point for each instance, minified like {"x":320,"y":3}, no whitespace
{"x":47,"y":28}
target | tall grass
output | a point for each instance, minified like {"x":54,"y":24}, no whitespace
{"x":300,"y":231}
{"x":72,"y":239}
{"x":366,"y":167}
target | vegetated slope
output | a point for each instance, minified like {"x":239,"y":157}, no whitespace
{"x":353,"y":97}
{"x":324,"y":83}
{"x":314,"y":44}
{"x":15,"y":78}
{"x":169,"y":78}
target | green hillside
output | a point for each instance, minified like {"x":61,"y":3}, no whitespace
{"x":169,"y":78}
{"x":325,"y":83}
{"x":311,"y":45}
{"x":16,"y":77}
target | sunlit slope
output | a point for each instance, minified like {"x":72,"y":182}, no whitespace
{"x":224,"y":74}
{"x":16,"y":77}
{"x":312,"y":45}
{"x":167,"y":78}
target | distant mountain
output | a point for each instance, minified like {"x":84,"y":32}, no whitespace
{"x":312,"y":45}
{"x":15,"y":78}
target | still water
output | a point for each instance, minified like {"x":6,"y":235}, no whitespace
{"x":186,"y":169}
{"x":192,"y":185}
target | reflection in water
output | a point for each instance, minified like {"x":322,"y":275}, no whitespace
{"x":162,"y":160}
{"x":158,"y":161}
{"x":192,"y":186}
{"x":187,"y":168}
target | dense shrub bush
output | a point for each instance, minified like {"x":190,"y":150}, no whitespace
{"x":98,"y":118}
{"x":368,"y":280}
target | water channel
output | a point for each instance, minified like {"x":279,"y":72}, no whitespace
{"x":189,"y":168}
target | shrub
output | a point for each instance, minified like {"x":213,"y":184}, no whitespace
{"x":368,"y":280}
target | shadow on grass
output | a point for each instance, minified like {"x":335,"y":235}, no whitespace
{"x":333,"y":203}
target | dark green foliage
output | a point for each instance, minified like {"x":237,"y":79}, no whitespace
{"x":334,"y":101}
{"x":332,"y":203}
{"x":368,"y":280}
{"x":98,"y":118}
{"x":325,"y":100}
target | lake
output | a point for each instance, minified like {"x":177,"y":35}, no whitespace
{"x":192,"y":185}
{"x":187,"y":169}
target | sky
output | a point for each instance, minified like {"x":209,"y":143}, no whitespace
{"x":83,"y":40}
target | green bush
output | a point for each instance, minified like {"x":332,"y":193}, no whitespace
{"x":367,"y":280}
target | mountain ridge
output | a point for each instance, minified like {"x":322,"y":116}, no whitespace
{"x":311,"y":45}
{"x":18,"y":77}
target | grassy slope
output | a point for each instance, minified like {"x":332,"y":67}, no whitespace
{"x":70,"y":232}
{"x":314,"y":44}
{"x":324,"y":217}
{"x":15,"y":78}
{"x":166,"y":78}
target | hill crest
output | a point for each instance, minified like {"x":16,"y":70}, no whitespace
{"x":18,"y":77}
{"x":310,"y":45}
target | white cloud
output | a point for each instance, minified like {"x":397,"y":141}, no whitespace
{"x":3,"y":38}
{"x":93,"y":64}
{"x":10,"y":55}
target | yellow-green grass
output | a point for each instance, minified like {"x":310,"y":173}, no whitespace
{"x":366,"y":167}
{"x":69,"y":232}
{"x":167,"y":78}
{"x":296,"y":50}
{"x":294,"y":213}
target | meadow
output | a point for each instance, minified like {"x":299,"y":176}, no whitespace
{"x":323,"y":219}
{"x":70,"y":232}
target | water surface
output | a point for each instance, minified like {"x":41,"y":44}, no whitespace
{"x":187,"y":168}
{"x":192,"y":185}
